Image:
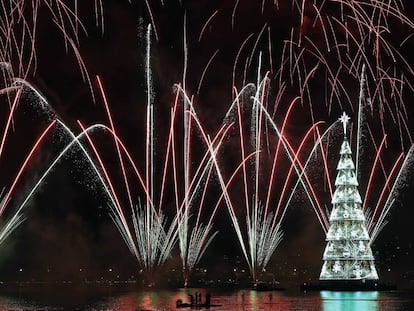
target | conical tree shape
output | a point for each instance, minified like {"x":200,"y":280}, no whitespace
{"x":348,"y":254}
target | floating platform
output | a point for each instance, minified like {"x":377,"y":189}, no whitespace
{"x":348,"y":285}
{"x":180,"y":305}
{"x":197,"y":306}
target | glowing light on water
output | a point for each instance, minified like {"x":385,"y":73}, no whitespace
{"x":348,"y":301}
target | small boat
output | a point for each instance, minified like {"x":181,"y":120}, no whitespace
{"x":180,"y":304}
{"x":194,"y":304}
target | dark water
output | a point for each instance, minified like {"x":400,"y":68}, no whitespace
{"x":243,"y":300}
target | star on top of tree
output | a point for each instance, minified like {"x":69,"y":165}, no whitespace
{"x":344,"y":119}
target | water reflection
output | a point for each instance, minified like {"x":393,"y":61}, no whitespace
{"x":349,"y":301}
{"x":243,"y":300}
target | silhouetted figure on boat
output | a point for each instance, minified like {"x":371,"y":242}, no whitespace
{"x":195,"y":302}
{"x":192,"y":302}
{"x":208,"y":300}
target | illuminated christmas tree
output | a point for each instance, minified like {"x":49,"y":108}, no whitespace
{"x":348,"y":254}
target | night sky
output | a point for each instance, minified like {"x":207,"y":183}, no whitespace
{"x":68,"y":226}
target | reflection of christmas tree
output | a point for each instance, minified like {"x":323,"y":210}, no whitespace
{"x":348,"y":254}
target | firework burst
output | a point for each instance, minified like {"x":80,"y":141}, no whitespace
{"x":20,"y":27}
{"x":184,"y":183}
{"x":269,"y":148}
{"x":16,"y":92}
{"x":334,"y":39}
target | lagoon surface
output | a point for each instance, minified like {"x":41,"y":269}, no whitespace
{"x":243,"y":300}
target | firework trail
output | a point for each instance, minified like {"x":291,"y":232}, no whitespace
{"x":190,"y":188}
{"x":391,"y":179}
{"x":11,"y":224}
{"x":334,"y":39}
{"x":143,"y":224}
{"x":376,"y":225}
{"x":18,"y":91}
{"x":116,"y":211}
{"x":145,"y":237}
{"x":152,"y":237}
{"x":19,"y":30}
{"x":325,"y":50}
{"x":194,"y":244}
{"x":151,"y":250}
{"x":269,"y":145}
